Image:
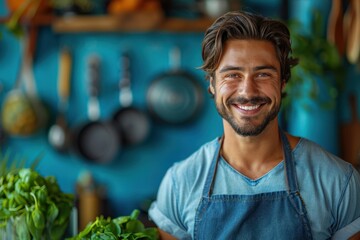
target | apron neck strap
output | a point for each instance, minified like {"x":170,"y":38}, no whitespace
{"x":290,"y":173}
{"x":210,"y":178}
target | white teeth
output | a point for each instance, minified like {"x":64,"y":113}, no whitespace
{"x":248,"y":108}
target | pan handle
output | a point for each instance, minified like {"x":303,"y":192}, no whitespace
{"x":64,"y":76}
{"x":175,"y":58}
{"x":93,"y":88}
{"x":125,"y":94}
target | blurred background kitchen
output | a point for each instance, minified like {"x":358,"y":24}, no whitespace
{"x":116,"y":97}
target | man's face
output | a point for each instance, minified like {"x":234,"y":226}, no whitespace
{"x":247,"y":85}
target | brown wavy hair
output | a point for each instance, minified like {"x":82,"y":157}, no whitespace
{"x":245,"y":25}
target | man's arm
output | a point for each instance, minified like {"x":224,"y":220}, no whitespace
{"x":355,"y":237}
{"x":165,"y":236}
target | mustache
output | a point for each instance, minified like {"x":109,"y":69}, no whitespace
{"x":253,"y":100}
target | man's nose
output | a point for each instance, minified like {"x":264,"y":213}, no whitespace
{"x":248,"y":86}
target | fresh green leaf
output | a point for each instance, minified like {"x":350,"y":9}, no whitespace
{"x":123,"y":227}
{"x":35,"y":232}
{"x":134,"y":226}
{"x":57,"y":231}
{"x":52,"y":212}
{"x":21,"y":228}
{"x":38,"y":218}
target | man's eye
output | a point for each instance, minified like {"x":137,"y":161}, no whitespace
{"x":232,"y":76}
{"x":263,"y":75}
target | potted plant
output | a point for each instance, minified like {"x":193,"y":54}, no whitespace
{"x":318,"y":58}
{"x":32,"y":206}
{"x":315,"y":82}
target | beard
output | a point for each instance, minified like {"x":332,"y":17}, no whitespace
{"x":248,"y":128}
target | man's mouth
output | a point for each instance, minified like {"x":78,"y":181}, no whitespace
{"x":248,"y":108}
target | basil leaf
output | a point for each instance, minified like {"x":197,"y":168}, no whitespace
{"x":35,"y":233}
{"x":113,"y":228}
{"x":52,"y":212}
{"x":38,"y":219}
{"x":57,"y":231}
{"x":134,"y":226}
{"x":21,"y":228}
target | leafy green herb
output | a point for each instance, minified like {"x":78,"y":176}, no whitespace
{"x":123,"y":227}
{"x":35,"y":205}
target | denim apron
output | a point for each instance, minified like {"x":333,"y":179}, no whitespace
{"x":272,"y":215}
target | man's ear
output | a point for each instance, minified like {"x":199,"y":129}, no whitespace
{"x":211,"y":86}
{"x":283,"y":84}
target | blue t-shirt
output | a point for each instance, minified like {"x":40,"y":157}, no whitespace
{"x":329,"y":186}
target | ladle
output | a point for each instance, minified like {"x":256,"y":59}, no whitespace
{"x":59,"y":133}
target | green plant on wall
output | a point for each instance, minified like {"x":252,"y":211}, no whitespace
{"x":320,"y":66}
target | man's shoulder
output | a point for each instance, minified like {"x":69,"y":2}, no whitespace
{"x":317,"y":158}
{"x":198,"y":162}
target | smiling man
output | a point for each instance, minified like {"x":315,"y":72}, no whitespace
{"x":255,"y":181}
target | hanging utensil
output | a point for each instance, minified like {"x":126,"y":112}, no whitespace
{"x":23,"y":113}
{"x":175,"y":97}
{"x":59,"y":136}
{"x":132,"y":123}
{"x":353,"y":33}
{"x":96,"y":140}
{"x":335,"y":32}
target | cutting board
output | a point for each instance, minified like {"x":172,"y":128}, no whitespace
{"x":350,"y":135}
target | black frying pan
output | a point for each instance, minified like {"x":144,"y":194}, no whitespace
{"x":95,"y":140}
{"x":131,"y":123}
{"x":175,"y":97}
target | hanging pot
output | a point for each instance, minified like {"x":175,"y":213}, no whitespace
{"x":96,"y":140}
{"x":175,"y":97}
{"x":132,"y":124}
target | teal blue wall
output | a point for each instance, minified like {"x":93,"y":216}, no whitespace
{"x":136,"y":172}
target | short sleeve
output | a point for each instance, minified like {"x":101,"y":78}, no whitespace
{"x":347,"y":231}
{"x":349,"y":206}
{"x":164,"y":211}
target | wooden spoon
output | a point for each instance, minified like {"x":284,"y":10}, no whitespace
{"x":59,"y":133}
{"x":335,"y":26}
{"x":353,"y":34}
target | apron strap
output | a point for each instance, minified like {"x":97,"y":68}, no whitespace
{"x":290,"y":173}
{"x":210,"y":179}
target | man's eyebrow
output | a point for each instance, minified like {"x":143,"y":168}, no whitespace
{"x":269,"y":67}
{"x":232,"y":68}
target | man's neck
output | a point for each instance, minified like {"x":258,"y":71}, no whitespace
{"x":253,"y":156}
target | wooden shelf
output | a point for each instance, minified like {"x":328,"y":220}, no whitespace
{"x":134,"y":22}
{"x":127,"y":22}
{"x":39,"y":20}
{"x":185,"y":25}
